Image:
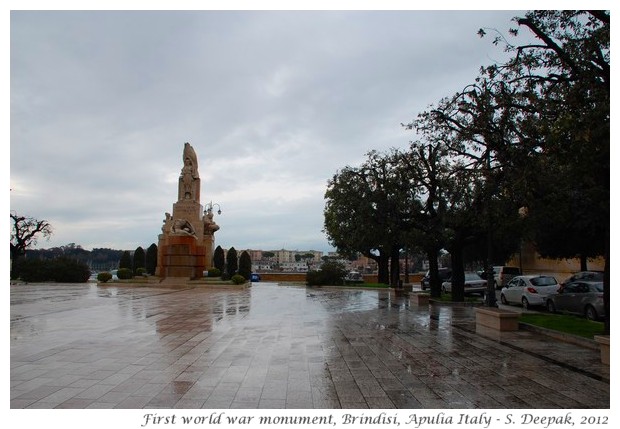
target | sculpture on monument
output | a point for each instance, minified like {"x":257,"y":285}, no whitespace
{"x":189,"y":175}
{"x":186,"y":241}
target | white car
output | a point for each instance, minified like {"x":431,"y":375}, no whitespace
{"x":529,"y":290}
{"x":473,"y":284}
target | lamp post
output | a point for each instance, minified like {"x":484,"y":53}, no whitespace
{"x":209,"y":208}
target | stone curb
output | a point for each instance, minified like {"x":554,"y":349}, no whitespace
{"x":567,"y":338}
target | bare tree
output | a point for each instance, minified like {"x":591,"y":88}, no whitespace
{"x":25,"y":232}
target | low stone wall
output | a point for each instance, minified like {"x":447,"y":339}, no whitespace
{"x":603,"y":341}
{"x":496,"y":319}
{"x":282,"y":277}
{"x":301,"y":277}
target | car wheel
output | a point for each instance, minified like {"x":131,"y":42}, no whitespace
{"x":525,"y":303}
{"x":591,"y":313}
{"x":550,"y":306}
{"x":504,"y":300}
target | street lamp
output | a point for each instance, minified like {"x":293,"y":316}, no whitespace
{"x":209,"y":208}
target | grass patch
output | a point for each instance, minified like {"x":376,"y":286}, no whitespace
{"x":447,"y":297}
{"x":363,"y":285}
{"x":565,"y":323}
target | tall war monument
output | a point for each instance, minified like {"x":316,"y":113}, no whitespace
{"x":185,"y":247}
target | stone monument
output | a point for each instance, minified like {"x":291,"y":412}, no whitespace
{"x":186,"y":242}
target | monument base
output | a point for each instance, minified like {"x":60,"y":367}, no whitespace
{"x":182,"y":257}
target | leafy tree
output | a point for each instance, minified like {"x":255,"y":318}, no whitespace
{"x":245,"y":265}
{"x":125,"y":261}
{"x":331,"y":273}
{"x":219,"y":260}
{"x":348,"y":218}
{"x":426,"y":169}
{"x":139,"y":259}
{"x":232,"y":262}
{"x":365,"y":212}
{"x":151,"y":259}
{"x":565,"y":77}
{"x":481,"y":128}
{"x":106,"y":259}
{"x":303,"y":256}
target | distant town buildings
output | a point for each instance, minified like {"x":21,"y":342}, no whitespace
{"x":300,"y":261}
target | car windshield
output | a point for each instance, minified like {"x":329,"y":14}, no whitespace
{"x":543,"y":281}
{"x":472,"y":276}
{"x":592,"y":276}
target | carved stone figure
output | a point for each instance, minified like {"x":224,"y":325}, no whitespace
{"x":209,"y":224}
{"x":189,"y":174}
{"x":182,"y":227}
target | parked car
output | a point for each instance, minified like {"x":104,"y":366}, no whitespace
{"x":255,"y":277}
{"x":579,"y":297}
{"x":354,"y":277}
{"x":529,"y":290}
{"x":444,"y":274}
{"x":589,"y":276}
{"x":503,"y":274}
{"x":473,"y":284}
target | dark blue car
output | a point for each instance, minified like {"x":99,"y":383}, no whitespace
{"x":255,"y":277}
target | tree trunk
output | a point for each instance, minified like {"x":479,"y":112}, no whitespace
{"x":458,"y":273}
{"x":433,"y":253}
{"x":583,"y":260}
{"x":383,"y":275}
{"x":395,"y":267}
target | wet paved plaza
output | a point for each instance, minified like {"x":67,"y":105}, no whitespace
{"x":271,"y":346}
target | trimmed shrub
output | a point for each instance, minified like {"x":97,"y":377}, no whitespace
{"x":139,"y":260}
{"x":124,"y":273}
{"x":232,"y":262}
{"x":219,"y":260}
{"x":125,"y":261}
{"x":245,"y":265}
{"x":238,"y":279}
{"x":104,"y":277}
{"x":151,"y":259}
{"x":214,"y":272}
{"x":62,"y":270}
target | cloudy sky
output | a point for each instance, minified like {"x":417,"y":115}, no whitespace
{"x":273,"y":102}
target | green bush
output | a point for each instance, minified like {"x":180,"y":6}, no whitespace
{"x":245,"y":265}
{"x":214,"y":272}
{"x":34,"y":270}
{"x":62,"y":270}
{"x":330,"y":273}
{"x":141,"y":271}
{"x":238,"y":279}
{"x":104,"y":277}
{"x":232,"y":262}
{"x":219,"y":259}
{"x":124,"y":273}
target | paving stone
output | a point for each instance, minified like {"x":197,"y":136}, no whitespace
{"x":274,"y":347}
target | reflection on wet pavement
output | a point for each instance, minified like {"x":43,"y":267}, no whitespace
{"x":270,"y":346}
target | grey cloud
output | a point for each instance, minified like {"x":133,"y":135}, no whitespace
{"x":273,"y":102}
